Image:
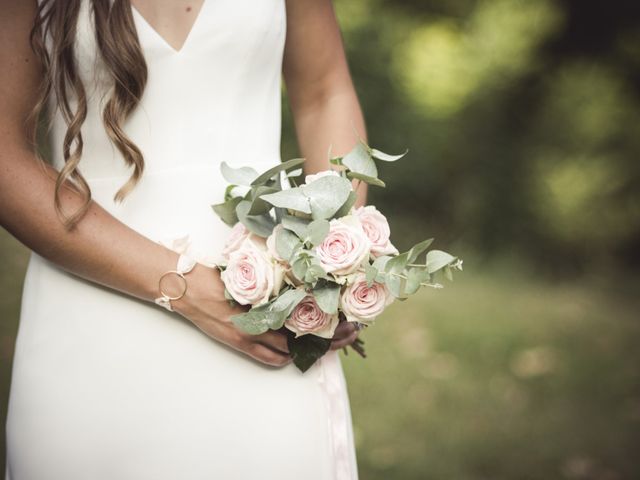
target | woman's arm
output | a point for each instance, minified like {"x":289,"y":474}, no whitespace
{"x":325,"y":107}
{"x":323,"y":101}
{"x":101,"y":248}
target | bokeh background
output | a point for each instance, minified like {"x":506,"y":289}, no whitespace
{"x":522,"y":118}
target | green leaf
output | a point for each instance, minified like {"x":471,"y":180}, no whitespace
{"x":385,"y":156}
{"x":397,"y":263}
{"x":295,"y":173}
{"x":418,"y":248}
{"x":316,"y":231}
{"x":359,"y":160}
{"x":295,"y":224}
{"x":258,"y":205}
{"x":336,"y":160}
{"x":261,"y":225}
{"x":262,"y":178}
{"x":367,"y":179}
{"x":239,"y":176}
{"x":306,"y":349}
{"x":292,"y":198}
{"x":227,"y":192}
{"x":299,"y":268}
{"x":314,"y":272}
{"x":254,"y":322}
{"x":327,"y":297}
{"x":437,"y":259}
{"x":396,"y":285}
{"x":326,"y":195}
{"x":227,"y":210}
{"x":415,"y":276}
{"x":286,"y":242}
{"x":370,"y":273}
{"x":345,"y":209}
{"x":284,"y":304}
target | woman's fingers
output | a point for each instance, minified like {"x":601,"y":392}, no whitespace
{"x":266,"y":355}
{"x":274,"y":340}
{"x":343,"y":342}
{"x":344,"y":330}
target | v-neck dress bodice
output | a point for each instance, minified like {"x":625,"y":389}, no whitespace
{"x":105,"y":386}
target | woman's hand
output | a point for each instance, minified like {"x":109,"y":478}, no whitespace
{"x":345,"y":334}
{"x":205,"y":305}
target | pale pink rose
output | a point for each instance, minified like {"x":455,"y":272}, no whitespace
{"x":361,"y":303}
{"x":237,"y":235}
{"x":307,"y":317}
{"x":377,"y":229}
{"x":345,"y":248}
{"x":251,"y":276}
{"x":315,"y":176}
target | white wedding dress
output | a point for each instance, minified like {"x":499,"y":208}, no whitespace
{"x":105,"y":386}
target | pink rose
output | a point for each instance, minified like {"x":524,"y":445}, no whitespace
{"x":361,"y":303}
{"x":238,"y":233}
{"x":307,"y":317}
{"x":345,"y":248}
{"x":314,"y":176}
{"x":377,"y":229}
{"x":251,"y":276}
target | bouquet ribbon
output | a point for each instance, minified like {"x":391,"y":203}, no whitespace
{"x":331,"y":380}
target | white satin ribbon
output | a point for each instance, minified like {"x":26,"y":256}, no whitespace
{"x":332,"y":382}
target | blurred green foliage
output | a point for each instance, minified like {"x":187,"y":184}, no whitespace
{"x":522,"y":118}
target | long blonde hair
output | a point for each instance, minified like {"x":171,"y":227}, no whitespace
{"x":119,"y":48}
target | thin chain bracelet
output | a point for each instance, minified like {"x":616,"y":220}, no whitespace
{"x":185,"y":265}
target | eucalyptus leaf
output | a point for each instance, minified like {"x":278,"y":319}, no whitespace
{"x":261,"y":225}
{"x":227,"y":210}
{"x":299,"y":268}
{"x":397,"y":263}
{"x":345,"y":209}
{"x":262,"y":178}
{"x":396,"y":285}
{"x":258,"y":205}
{"x":238,"y":176}
{"x":371,"y":273}
{"x":254,"y":322}
{"x":314,"y":273}
{"x":367,"y":179}
{"x":228,"y":192}
{"x":385,"y":156}
{"x":292,"y":198}
{"x":437,"y":259}
{"x":295,"y":224}
{"x":295,"y":173}
{"x":327,"y":297}
{"x":415,"y":276}
{"x":316,"y":231}
{"x":286,"y":241}
{"x":359,"y":160}
{"x":418,"y":248}
{"x":326,"y":195}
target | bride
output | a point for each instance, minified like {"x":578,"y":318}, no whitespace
{"x":144,"y":100}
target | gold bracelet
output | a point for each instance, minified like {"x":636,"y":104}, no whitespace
{"x":185,"y":265}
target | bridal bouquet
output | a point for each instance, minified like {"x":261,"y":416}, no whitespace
{"x":305,"y":258}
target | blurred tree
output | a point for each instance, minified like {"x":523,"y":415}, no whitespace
{"x":522,"y":118}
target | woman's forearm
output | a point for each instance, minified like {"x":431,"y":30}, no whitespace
{"x":101,"y":248}
{"x":333,"y":121}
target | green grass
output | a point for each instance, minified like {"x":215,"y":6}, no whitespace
{"x":496,"y":376}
